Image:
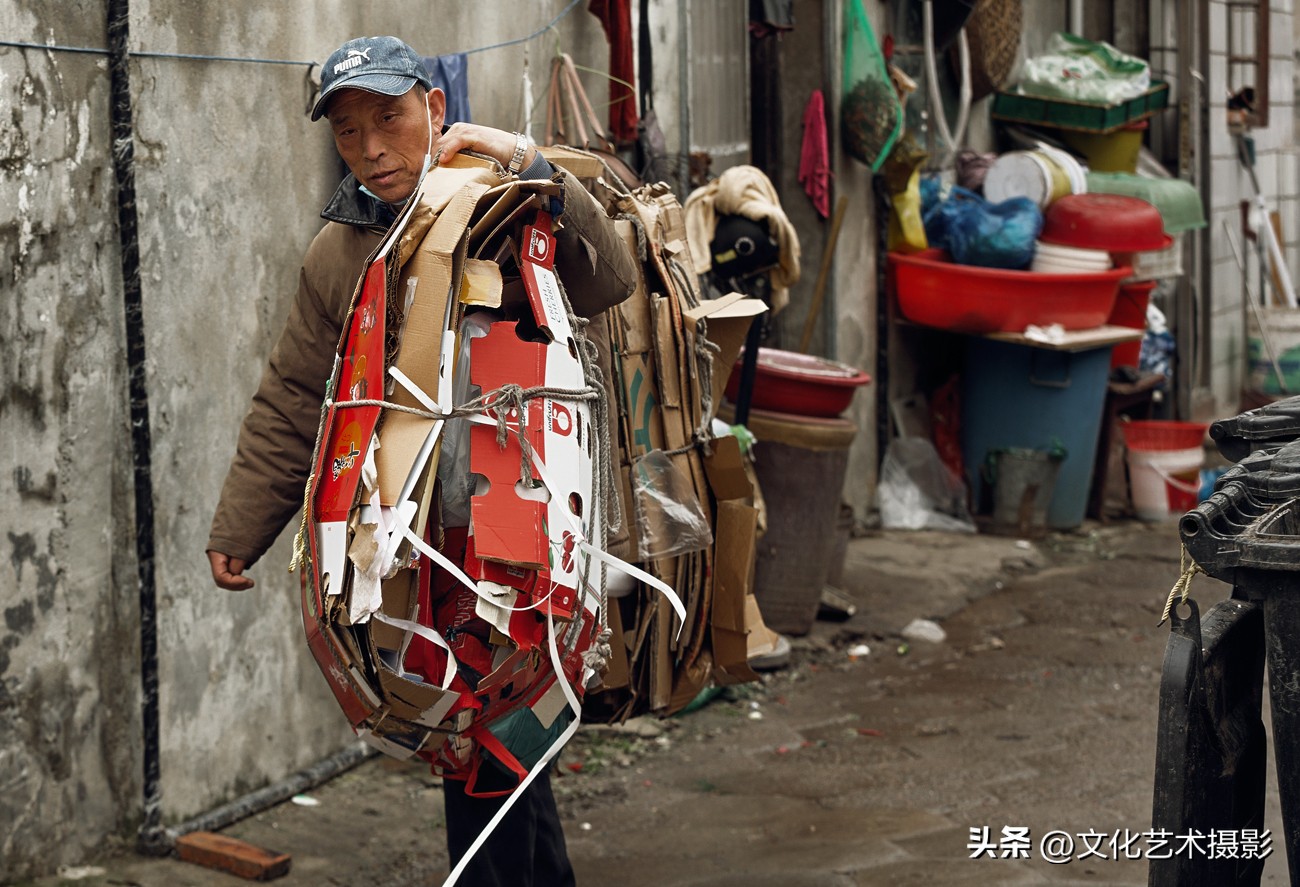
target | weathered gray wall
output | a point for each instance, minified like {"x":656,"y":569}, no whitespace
{"x":67,"y":648}
{"x":230,"y":176}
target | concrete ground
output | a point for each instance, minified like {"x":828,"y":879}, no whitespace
{"x":851,"y":766}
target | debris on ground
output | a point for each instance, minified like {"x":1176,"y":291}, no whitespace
{"x":924,"y":630}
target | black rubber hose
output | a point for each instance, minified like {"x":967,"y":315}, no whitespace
{"x":277,"y":793}
{"x":152,"y":838}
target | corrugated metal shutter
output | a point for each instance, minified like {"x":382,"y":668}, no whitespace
{"x":718,"y":59}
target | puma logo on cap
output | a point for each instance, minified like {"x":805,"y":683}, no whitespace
{"x":355,"y":58}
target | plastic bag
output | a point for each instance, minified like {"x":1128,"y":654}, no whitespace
{"x":902,"y":172}
{"x":976,"y":232}
{"x":870,"y":115}
{"x":669,"y":519}
{"x":918,"y":492}
{"x":1156,"y":354}
{"x":1085,"y":71}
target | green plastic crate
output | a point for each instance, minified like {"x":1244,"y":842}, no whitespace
{"x":1084,"y":116}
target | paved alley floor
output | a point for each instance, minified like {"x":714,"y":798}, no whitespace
{"x":878,"y":766}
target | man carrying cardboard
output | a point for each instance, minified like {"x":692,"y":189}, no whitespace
{"x":387,"y":122}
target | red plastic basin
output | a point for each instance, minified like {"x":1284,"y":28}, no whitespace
{"x":1110,"y":222}
{"x":935,"y":291}
{"x":790,"y":382}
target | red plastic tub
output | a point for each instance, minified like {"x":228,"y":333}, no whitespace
{"x":790,"y":382}
{"x":935,"y":291}
{"x":1131,"y":311}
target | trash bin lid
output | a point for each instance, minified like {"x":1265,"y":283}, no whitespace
{"x":1253,"y":517}
{"x":1271,"y":425}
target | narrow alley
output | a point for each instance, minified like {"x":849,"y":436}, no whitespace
{"x":871,"y":760}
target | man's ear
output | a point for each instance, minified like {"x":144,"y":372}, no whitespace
{"x":437,"y":100}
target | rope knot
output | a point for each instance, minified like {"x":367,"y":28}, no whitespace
{"x":1182,"y":588}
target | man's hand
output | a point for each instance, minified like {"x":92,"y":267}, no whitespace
{"x":228,"y":572}
{"x":495,"y":143}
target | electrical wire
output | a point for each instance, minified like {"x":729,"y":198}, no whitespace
{"x":55,"y":47}
{"x":157,"y":55}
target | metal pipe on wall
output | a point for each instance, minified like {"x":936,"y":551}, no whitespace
{"x":1193,"y":314}
{"x":1076,"y":17}
{"x":684,"y":97}
{"x":276,"y":793}
{"x":832,"y":61}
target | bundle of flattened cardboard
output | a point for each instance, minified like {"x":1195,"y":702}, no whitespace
{"x":459,"y":385}
{"x":669,"y":354}
{"x":462,"y":385}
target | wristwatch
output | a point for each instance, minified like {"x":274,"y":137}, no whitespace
{"x":521,"y":150}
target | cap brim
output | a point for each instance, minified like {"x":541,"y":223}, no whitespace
{"x":382,"y":84}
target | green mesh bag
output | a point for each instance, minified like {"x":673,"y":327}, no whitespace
{"x":870,"y":114}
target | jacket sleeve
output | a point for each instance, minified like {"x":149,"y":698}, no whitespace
{"x":264,"y":487}
{"x":597,"y":269}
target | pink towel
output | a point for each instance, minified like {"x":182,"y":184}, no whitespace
{"x":814,"y":155}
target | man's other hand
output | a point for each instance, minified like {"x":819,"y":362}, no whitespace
{"x":495,"y":143}
{"x":228,"y":572}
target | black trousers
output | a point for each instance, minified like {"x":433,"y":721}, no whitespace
{"x":525,"y":850}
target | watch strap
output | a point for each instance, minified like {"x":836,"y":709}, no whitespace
{"x":521,"y":150}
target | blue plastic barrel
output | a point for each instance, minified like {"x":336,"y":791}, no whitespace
{"x":1034,"y":398}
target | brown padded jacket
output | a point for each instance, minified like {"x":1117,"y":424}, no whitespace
{"x":264,"y":487}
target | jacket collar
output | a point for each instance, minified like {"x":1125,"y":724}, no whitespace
{"x":352,"y":206}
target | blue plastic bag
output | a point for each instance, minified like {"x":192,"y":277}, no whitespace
{"x":976,"y":232}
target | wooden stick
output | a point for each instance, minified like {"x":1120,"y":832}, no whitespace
{"x":1279,"y":297}
{"x":819,"y":291}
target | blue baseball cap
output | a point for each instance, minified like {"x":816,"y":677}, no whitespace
{"x":383,"y":65}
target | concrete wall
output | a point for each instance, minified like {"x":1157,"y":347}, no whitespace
{"x":230,"y":177}
{"x":68,"y":724}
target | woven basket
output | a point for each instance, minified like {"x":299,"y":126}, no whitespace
{"x":993,"y":34}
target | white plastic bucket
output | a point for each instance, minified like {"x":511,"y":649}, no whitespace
{"x":1029,"y":174}
{"x":1164,"y":483}
{"x":1075,"y":172}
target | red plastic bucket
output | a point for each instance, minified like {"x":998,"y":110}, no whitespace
{"x":1131,"y":311}
{"x":1164,"y":462}
{"x":1161,"y":434}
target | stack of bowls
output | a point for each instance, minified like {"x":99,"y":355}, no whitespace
{"x":1109,"y":228}
{"x":1051,"y":258}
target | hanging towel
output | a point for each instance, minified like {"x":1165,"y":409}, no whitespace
{"x":814,"y":155}
{"x":616,"y":16}
{"x":450,"y":73}
{"x":744,"y":191}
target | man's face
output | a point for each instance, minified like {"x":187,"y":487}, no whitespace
{"x":383,"y":139}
